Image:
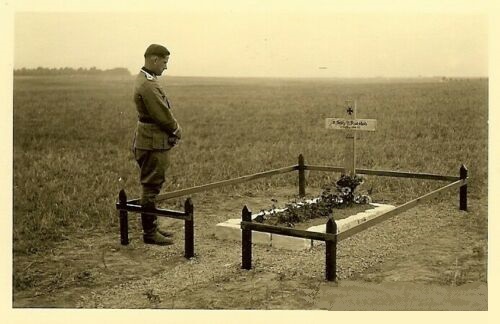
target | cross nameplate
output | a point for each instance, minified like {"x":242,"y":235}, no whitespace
{"x":352,"y":125}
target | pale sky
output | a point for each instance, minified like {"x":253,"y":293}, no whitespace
{"x":291,"y":40}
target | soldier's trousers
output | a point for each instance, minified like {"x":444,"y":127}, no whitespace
{"x":153,"y":165}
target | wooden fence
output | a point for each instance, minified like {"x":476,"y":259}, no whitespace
{"x":125,"y":206}
{"x":330,"y":239}
{"x":331,"y":236}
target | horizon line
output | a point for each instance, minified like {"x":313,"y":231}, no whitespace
{"x":266,"y":77}
{"x":284,"y":77}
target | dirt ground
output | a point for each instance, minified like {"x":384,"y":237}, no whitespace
{"x":424,"y":259}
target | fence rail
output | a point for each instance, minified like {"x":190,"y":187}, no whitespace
{"x":124,"y":207}
{"x":219,"y":184}
{"x":301,"y":167}
{"x":155,"y":211}
{"x":398,"y":210}
{"x":387,"y":173}
{"x":330,"y":237}
{"x":273,"y":229}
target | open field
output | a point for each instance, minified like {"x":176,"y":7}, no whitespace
{"x":72,"y":139}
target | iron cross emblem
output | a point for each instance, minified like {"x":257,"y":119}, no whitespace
{"x":349,"y":110}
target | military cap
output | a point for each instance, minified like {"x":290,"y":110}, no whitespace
{"x":155,"y":49}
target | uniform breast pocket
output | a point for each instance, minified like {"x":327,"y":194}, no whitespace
{"x":164,"y":97}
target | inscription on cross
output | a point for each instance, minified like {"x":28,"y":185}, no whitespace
{"x":351,"y":124}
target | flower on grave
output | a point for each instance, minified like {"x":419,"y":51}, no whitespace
{"x":349,"y":181}
{"x":260,"y":218}
{"x":339,"y":194}
{"x":362,"y":199}
{"x":365,"y":199}
{"x":345,"y":191}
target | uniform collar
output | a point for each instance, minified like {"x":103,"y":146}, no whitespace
{"x":150,"y":75}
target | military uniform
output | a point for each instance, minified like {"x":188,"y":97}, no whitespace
{"x":156,"y":133}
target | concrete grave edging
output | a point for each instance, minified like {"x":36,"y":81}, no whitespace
{"x":231,"y":230}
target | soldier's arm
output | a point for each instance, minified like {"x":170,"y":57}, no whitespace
{"x":158,"y":110}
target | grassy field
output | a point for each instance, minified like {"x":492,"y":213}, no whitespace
{"x":72,"y":138}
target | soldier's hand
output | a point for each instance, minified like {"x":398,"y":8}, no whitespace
{"x":173,"y":141}
{"x":178,"y":132}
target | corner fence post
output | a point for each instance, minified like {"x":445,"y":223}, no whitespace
{"x":246,"y":241}
{"x":189,"y":229}
{"x":331,"y":251}
{"x":463,"y":189}
{"x":123,"y":214}
{"x":302,"y":177}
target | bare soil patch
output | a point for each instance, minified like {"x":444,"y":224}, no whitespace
{"x":431,"y":250}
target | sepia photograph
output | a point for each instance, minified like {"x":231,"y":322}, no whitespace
{"x":249,"y":155}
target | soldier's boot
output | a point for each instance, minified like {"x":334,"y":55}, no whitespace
{"x":151,"y":234}
{"x":157,"y":239}
{"x":153,"y":220}
{"x":165,"y":232}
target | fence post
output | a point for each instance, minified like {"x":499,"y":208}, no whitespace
{"x":246,"y":241}
{"x":123,"y":214}
{"x":463,"y":189}
{"x":302,"y":177}
{"x":189,"y":229}
{"x":331,"y":251}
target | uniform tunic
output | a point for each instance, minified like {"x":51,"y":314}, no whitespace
{"x":156,"y":133}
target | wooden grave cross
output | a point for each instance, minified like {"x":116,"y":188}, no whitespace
{"x":351,"y":124}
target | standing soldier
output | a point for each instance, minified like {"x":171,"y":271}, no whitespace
{"x":156,"y":133}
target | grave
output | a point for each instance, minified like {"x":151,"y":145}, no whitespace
{"x":334,"y":232}
{"x":231,"y":229}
